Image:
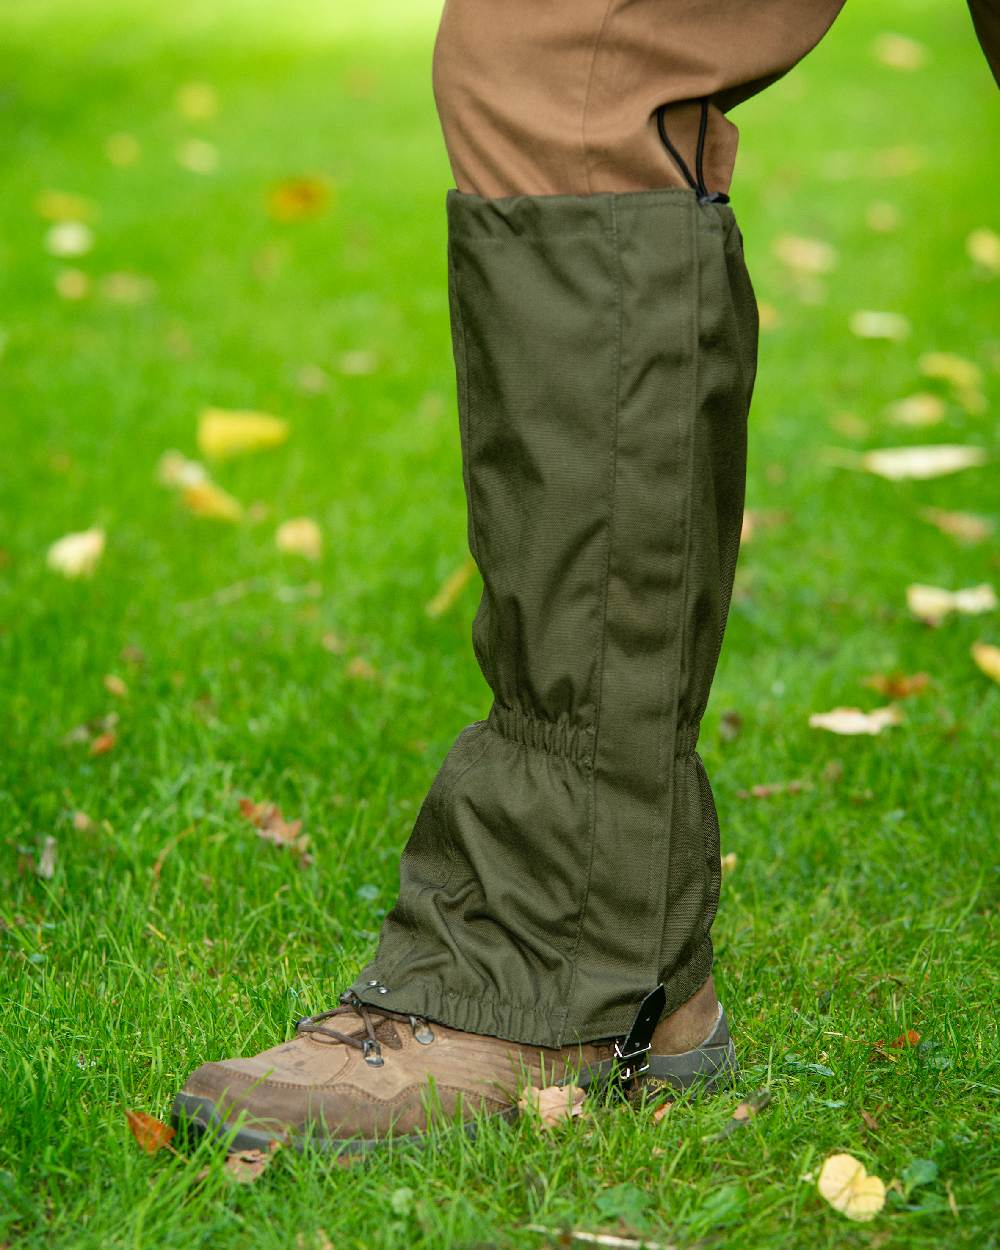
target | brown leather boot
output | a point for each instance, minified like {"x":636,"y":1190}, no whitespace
{"x":357,"y":1075}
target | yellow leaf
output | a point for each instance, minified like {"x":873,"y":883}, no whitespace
{"x":208,"y":500}
{"x":64,"y":206}
{"x":451,"y":588}
{"x":122,"y":149}
{"x":295,"y":199}
{"x":899,"y":51}
{"x":947,"y":367}
{"x":300,"y":536}
{"x":932,"y":603}
{"x":197,"y":101}
{"x":987,"y":657}
{"x":69,"y":238}
{"x":965,"y":526}
{"x":199,"y":156}
{"x":115,"y":685}
{"x":882,"y":217}
{"x":853,"y":721}
{"x":869,"y":324}
{"x":847,"y":1187}
{"x":805,"y":255}
{"x":175,"y":470}
{"x":898,"y":463}
{"x":919,"y":409}
{"x":72,"y":284}
{"x":224,"y":432}
{"x":983,"y":247}
{"x":151,"y":1134}
{"x":127,"y":288}
{"x":77,"y":555}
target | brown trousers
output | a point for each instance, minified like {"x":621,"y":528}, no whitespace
{"x":559,"y":97}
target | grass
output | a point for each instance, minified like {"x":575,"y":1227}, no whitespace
{"x":859,"y":908}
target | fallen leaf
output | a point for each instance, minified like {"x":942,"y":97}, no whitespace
{"x":64,"y":206}
{"x":69,"y":238}
{"x":727,"y":863}
{"x":127,"y":288}
{"x":552,"y":1104}
{"x":767,"y":316}
{"x":897,"y":685}
{"x":898,"y":463}
{"x":224,"y":432}
{"x":897,"y":162}
{"x":882,"y":217}
{"x":917,"y":410}
{"x":151,"y":1134}
{"x":295,"y":199}
{"x":246,"y":1166}
{"x":987,"y":658}
{"x":559,"y":1237}
{"x":333,"y":643}
{"x":932,"y":603}
{"x":312,"y":379}
{"x":983,"y":247}
{"x":175,"y":470}
{"x":947,"y":367}
{"x":122,"y":149}
{"x":852,"y":720}
{"x":848,"y":1188}
{"x":810,"y":256}
{"x":114,"y":684}
{"x":208,"y":500}
{"x":272,"y":827}
{"x":451,"y":588}
{"x":869,"y":1120}
{"x":910,"y":1038}
{"x":46,"y":866}
{"x":82,"y":823}
{"x":72,"y":284}
{"x":755,"y":519}
{"x":358,"y":363}
{"x":77,"y":555}
{"x":103,"y":743}
{"x":197,"y":101}
{"x":871,"y":324}
{"x":850,"y":424}
{"x":663,"y":1110}
{"x":768,"y":790}
{"x":198,"y":156}
{"x":300,"y":536}
{"x":964,"y":526}
{"x":899,"y":51}
{"x":730,"y":725}
{"x":360,"y":668}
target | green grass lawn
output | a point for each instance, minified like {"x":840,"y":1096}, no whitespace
{"x":861,"y":905}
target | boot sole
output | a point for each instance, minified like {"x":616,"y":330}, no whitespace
{"x":705,"y":1069}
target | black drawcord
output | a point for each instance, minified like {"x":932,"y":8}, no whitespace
{"x":697,"y":184}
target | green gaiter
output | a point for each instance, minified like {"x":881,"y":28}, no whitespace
{"x":566,"y":858}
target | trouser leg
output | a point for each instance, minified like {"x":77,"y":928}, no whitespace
{"x":566,"y":859}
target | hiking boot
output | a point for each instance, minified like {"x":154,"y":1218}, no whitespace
{"x":356,"y":1075}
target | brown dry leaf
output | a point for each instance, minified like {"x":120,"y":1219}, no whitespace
{"x":853,"y":721}
{"x":983,"y":247}
{"x":46,"y":866}
{"x":72,"y":284}
{"x":103,"y":743}
{"x":197,"y":101}
{"x":114,"y":684}
{"x":82,"y":823}
{"x":872,"y":324}
{"x":948,"y":367}
{"x":663,"y":1110}
{"x":225,"y":432}
{"x":151,"y":1134}
{"x":295,"y":199}
{"x":124,"y":287}
{"x":300,"y":536}
{"x":553,"y":1104}
{"x":743,"y":1113}
{"x":272,"y":827}
{"x":905,"y":1040}
{"x":122,"y":149}
{"x":805,"y":256}
{"x":77,"y":555}
{"x":936,"y":460}
{"x":332,"y":642}
{"x":768,"y":790}
{"x":933,"y":603}
{"x":361,"y":669}
{"x":869,"y":1120}
{"x":850,"y":425}
{"x":450,"y":589}
{"x":917,"y":410}
{"x":847,"y":1187}
{"x":208,"y":500}
{"x":246,"y":1166}
{"x":899,"y":51}
{"x":987,"y":658}
{"x":756,"y":519}
{"x":897,"y":685}
{"x":965,"y":526}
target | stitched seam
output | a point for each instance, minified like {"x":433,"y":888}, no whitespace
{"x":464,"y":413}
{"x":602,"y":637}
{"x":581,"y":760}
{"x":586,"y":96}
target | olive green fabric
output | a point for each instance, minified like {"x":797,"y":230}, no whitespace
{"x":566,"y":858}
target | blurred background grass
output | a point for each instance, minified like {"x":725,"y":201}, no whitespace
{"x":169,"y":932}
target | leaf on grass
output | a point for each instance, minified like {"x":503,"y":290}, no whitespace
{"x":805,"y":256}
{"x":612,"y":1240}
{"x":122,"y":149}
{"x":847,"y":1187}
{"x":949,"y":367}
{"x":905,"y":1040}
{"x":300,"y":536}
{"x":77,"y":555}
{"x":965,"y":526}
{"x":870,"y":1121}
{"x":272,"y":827}
{"x":756,"y":519}
{"x":361,"y":669}
{"x":177,"y":471}
{"x":225,"y":432}
{"x":151,"y":1134}
{"x":246,"y":1166}
{"x":197,"y":101}
{"x":358,"y":363}
{"x":115,"y":685}
{"x":727,"y":863}
{"x":899,"y":51}
{"x":770,"y":789}
{"x":987,"y":658}
{"x":205,"y":499}
{"x":450,"y":589}
{"x":932,"y":604}
{"x":919,"y":409}
{"x":853,"y":721}
{"x":553,"y":1104}
{"x":198,"y":156}
{"x":69,"y":238}
{"x":983,"y":247}
{"x":936,"y":460}
{"x":82,"y":823}
{"x":103,"y":743}
{"x":871,"y":324}
{"x":124,"y":287}
{"x":46,"y":866}
{"x":72,"y":284}
{"x":64,"y":206}
{"x":295,"y":199}
{"x":743,"y":1113}
{"x":882,"y":217}
{"x":897,"y":685}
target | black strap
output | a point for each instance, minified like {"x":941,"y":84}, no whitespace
{"x":631,"y":1053}
{"x":695,"y":181}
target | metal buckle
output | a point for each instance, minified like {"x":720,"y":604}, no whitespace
{"x":625,"y":1068}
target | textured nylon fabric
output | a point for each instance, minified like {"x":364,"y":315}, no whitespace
{"x":566,"y":858}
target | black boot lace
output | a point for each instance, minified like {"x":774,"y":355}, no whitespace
{"x":366,"y":1040}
